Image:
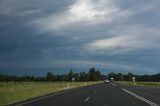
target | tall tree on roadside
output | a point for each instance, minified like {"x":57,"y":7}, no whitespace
{"x":112,"y":75}
{"x":70,"y":75}
{"x":98,"y":75}
{"x":50,"y":77}
{"x":92,"y":74}
{"x":120,"y":77}
{"x":83,"y":76}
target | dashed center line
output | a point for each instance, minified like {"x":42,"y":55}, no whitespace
{"x":86,"y":99}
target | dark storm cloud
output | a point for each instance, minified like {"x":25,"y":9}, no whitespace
{"x":113,"y":35}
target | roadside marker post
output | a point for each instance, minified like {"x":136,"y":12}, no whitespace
{"x":68,"y":85}
{"x":134,"y":79}
{"x":85,"y":83}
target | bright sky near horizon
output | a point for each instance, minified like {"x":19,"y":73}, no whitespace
{"x":111,"y":35}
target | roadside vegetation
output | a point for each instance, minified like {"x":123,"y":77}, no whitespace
{"x":147,"y":84}
{"x":92,"y":75}
{"x":140,"y":80}
{"x":17,"y":91}
{"x":18,"y":88}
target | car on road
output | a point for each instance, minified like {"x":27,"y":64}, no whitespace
{"x":106,"y":81}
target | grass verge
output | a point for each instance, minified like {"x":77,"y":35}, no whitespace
{"x":18,"y":91}
{"x":148,"y":84}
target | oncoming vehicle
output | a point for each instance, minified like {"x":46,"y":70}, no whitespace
{"x":106,"y":81}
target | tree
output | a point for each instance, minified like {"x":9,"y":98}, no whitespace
{"x":98,"y":75}
{"x":120,"y":77}
{"x":112,"y":75}
{"x":92,"y":75}
{"x":76,"y":76}
{"x":59,"y":78}
{"x":103,"y":77}
{"x":83,"y":76}
{"x":70,"y":75}
{"x":50,"y":77}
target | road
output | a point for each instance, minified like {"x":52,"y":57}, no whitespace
{"x":104,"y":94}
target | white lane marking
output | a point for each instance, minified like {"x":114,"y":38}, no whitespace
{"x":141,"y":98}
{"x":43,"y":98}
{"x":86,"y":99}
{"x":113,"y":84}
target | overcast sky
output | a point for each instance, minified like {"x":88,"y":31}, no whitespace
{"x":37,"y":36}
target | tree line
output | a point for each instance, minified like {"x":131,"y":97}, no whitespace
{"x":92,"y":75}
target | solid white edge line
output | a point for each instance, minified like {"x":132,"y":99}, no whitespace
{"x":42,"y":98}
{"x":141,"y":98}
{"x":86,"y":99}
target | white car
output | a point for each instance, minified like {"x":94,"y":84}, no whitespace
{"x":107,"y":81}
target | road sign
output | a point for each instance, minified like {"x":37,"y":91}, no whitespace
{"x":133,"y":79}
{"x":73,"y":79}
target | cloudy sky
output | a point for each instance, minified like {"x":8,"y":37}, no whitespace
{"x":37,"y":36}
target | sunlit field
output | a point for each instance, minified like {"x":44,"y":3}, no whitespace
{"x":17,"y":91}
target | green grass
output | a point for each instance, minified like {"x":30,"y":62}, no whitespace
{"x":14,"y":92}
{"x":149,"y":84}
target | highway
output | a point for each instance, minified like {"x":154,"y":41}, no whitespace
{"x":104,"y":94}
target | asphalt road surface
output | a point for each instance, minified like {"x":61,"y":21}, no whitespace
{"x":104,"y":94}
